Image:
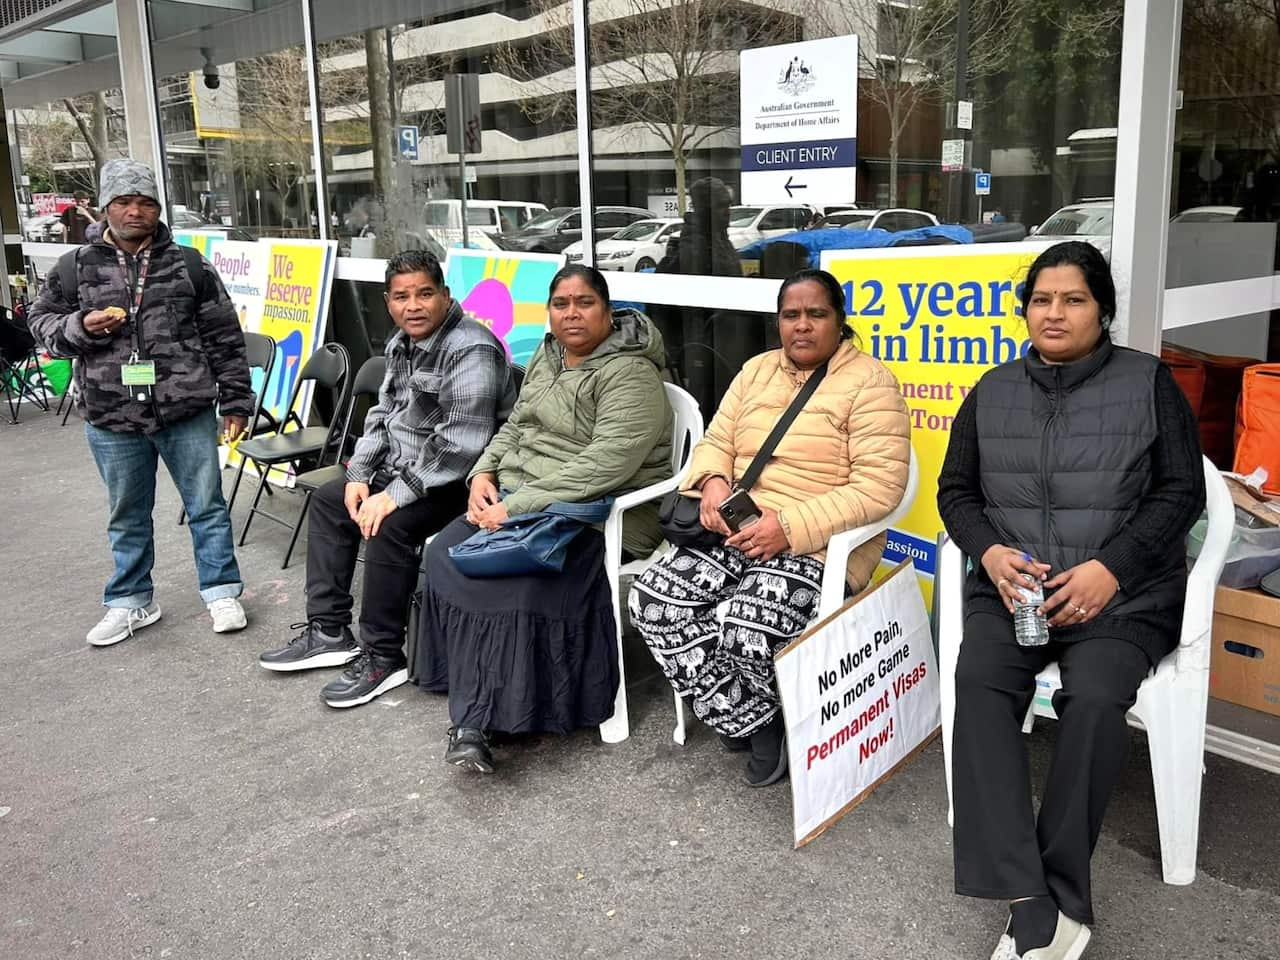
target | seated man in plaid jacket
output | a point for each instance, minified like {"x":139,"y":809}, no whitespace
{"x":447,"y":388}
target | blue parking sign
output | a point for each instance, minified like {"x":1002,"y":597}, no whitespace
{"x":982,"y":184}
{"x":408,"y":142}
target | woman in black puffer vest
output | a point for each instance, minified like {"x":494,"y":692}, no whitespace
{"x":1078,"y":465}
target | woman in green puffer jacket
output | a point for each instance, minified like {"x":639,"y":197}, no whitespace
{"x":528,"y":654}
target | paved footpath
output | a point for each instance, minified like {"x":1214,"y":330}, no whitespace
{"x":167,"y":798}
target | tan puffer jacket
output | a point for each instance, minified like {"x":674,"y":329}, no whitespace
{"x":842,"y":463}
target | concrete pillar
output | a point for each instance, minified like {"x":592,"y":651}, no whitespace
{"x":138,"y":84}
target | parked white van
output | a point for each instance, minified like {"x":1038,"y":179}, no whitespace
{"x":490,"y":216}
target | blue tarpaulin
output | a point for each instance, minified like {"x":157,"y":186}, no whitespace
{"x":839,"y":238}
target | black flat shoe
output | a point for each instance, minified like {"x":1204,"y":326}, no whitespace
{"x":469,"y":749}
{"x":734,"y":744}
{"x":768,"y":761}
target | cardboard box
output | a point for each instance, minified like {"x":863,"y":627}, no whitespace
{"x":1244,"y":667}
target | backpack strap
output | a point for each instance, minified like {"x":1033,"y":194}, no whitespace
{"x":195,"y":268}
{"x":68,"y":270}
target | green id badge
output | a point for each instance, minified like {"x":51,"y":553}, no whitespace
{"x":142,"y":374}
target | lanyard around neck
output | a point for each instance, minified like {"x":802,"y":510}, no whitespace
{"x":144,"y":265}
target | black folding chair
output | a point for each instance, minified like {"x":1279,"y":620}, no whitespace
{"x":306,"y":447}
{"x":68,"y":397}
{"x":367,"y":383}
{"x":260,"y":351}
{"x":19,"y":366}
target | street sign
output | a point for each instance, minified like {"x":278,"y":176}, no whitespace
{"x":407,"y":139}
{"x":799,"y":121}
{"x":982,"y":184}
{"x":952,"y":155}
{"x":964,"y":115}
{"x":462,"y":112}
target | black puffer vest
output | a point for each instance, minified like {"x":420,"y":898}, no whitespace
{"x":1066,"y":459}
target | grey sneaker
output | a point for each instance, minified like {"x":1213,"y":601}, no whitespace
{"x":1068,"y":943}
{"x":121,"y":623}
{"x":228,"y":615}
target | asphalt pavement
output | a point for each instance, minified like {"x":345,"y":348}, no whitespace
{"x":168,"y":798}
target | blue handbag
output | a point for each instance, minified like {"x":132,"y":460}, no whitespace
{"x":529,"y":544}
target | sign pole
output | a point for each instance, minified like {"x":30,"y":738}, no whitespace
{"x":462,"y":197}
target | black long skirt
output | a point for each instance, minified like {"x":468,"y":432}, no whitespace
{"x":520,"y":654}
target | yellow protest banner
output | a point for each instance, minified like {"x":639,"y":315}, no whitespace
{"x":939,"y":318}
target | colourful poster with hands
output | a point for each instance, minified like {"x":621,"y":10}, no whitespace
{"x":507,"y":292}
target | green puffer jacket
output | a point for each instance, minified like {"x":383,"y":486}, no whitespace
{"x":601,"y":428}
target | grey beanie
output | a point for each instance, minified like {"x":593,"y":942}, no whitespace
{"x":126,"y":178}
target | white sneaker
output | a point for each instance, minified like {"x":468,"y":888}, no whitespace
{"x":1006,"y":949}
{"x":120,"y":623}
{"x":1069,"y":941}
{"x":228,"y":615}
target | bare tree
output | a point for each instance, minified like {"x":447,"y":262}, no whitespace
{"x":1231,"y":60}
{"x":668,"y":66}
{"x":907,"y":50}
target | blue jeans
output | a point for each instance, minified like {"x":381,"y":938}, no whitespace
{"x":127,"y":464}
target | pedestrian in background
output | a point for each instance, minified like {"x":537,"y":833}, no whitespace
{"x":77,"y":220}
{"x":159,"y":349}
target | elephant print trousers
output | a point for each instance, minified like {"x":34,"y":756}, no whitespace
{"x":713,"y":620}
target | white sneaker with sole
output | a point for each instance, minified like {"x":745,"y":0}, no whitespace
{"x":121,"y":623}
{"x":1069,"y":941}
{"x":228,"y":615}
{"x":1006,"y":949}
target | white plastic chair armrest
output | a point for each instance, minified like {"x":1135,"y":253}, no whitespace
{"x":645,"y":494}
{"x":834,"y":571}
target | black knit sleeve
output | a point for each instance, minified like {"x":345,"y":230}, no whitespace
{"x":960,"y":501}
{"x":1176,"y":498}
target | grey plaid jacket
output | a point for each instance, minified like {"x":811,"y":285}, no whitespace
{"x":440,"y":403}
{"x":187,"y":325}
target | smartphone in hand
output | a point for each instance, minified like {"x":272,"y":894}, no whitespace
{"x":739,"y":511}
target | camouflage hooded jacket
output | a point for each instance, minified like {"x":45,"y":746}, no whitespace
{"x":186,"y":325}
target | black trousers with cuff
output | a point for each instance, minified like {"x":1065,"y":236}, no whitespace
{"x":1002,"y":849}
{"x":391,"y":561}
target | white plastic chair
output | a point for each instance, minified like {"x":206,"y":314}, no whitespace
{"x":834,"y":571}
{"x":1171,"y":702}
{"x":685,"y":435}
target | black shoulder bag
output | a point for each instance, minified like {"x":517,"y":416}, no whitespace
{"x":679,"y":516}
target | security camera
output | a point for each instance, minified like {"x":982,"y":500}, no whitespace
{"x":211,"y":78}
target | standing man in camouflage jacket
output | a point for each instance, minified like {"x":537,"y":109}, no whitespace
{"x":158,"y":347}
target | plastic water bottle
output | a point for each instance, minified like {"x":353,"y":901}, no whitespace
{"x":1030,"y":627}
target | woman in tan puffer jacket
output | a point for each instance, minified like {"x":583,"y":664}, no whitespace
{"x":842,"y":463}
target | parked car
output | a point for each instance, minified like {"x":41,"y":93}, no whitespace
{"x":1089,"y":221}
{"x":46,"y":228}
{"x":634,"y":248}
{"x":554,"y":230}
{"x":491,"y":216}
{"x":1207,"y":215}
{"x":893,"y":219}
{"x":747,"y":224}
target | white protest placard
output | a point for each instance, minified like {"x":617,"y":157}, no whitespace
{"x":860,"y":696}
{"x":798,"y":111}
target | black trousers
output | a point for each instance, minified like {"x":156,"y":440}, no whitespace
{"x":1002,"y":850}
{"x":390,"y":562}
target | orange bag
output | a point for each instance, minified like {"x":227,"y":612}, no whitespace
{"x":1212,"y":387}
{"x":1258,"y":424}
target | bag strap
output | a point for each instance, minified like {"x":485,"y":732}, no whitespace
{"x":788,"y":416}
{"x":68,"y":268}
{"x":195,"y":269}
{"x":593,"y":511}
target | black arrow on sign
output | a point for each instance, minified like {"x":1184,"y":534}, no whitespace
{"x":789,"y":186}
